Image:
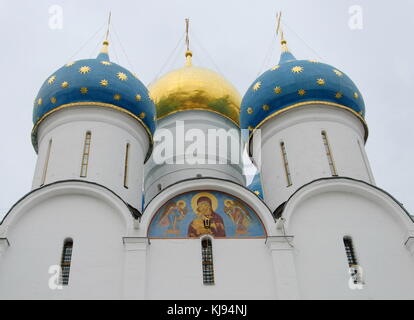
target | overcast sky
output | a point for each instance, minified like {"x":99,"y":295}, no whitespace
{"x":234,"y":37}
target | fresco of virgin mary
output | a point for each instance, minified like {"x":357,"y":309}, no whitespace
{"x":207,"y":220}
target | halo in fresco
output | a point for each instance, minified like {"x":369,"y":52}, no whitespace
{"x":194,"y":201}
{"x":196,"y":214}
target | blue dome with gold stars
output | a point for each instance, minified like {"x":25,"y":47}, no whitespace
{"x":97,"y":82}
{"x":295,"y":83}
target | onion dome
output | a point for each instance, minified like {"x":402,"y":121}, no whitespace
{"x":97,"y":82}
{"x":297,"y":83}
{"x":256,"y":186}
{"x":195,"y":88}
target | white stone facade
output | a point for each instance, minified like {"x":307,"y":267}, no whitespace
{"x":111,"y":131}
{"x":301,"y":132}
{"x":159,"y":176}
{"x":302,"y":255}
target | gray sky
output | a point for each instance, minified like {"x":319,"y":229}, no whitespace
{"x":234,"y":37}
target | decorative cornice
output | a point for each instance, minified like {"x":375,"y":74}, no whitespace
{"x":136,"y":240}
{"x":94,"y":104}
{"x":303,"y":104}
{"x":306,"y":103}
{"x":197,"y":109}
{"x":280,"y":210}
{"x":135,"y":213}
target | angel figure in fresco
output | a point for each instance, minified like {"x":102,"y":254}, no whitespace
{"x":174,"y":213}
{"x":207,"y":220}
{"x":238,"y":215}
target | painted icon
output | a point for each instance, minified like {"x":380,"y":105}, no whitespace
{"x":207,"y":221}
{"x":173,"y":214}
{"x":198,"y":213}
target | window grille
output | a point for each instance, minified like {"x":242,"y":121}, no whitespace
{"x":349,"y":250}
{"x":208,"y":268}
{"x":66,"y":261}
{"x":354,"y":269}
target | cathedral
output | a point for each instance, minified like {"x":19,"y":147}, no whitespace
{"x":139,"y":192}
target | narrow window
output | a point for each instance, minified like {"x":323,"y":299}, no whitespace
{"x":159,"y":187}
{"x":46,"y":163}
{"x":329,"y":154}
{"x":199,"y":176}
{"x":349,"y":250}
{"x":66,"y":260}
{"x":208,"y":268}
{"x":354,"y":268}
{"x":85,"y":156}
{"x":286,"y":164}
{"x":126,"y":166}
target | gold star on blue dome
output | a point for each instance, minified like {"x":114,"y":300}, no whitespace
{"x":297,"y":69}
{"x":122,"y":76}
{"x":321,"y":82}
{"x":84,"y":69}
{"x":257,"y":86}
{"x":278,"y":90}
{"x":51,"y":79}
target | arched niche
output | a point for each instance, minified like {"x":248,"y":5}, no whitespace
{"x":198,"y":213}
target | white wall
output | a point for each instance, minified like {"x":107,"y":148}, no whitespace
{"x":103,"y":267}
{"x":243,"y":267}
{"x":112,"y":259}
{"x":320,"y":215}
{"x":111,"y":130}
{"x":300,"y":129}
{"x":37,"y":229}
{"x":242,"y":270}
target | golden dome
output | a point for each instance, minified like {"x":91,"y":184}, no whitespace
{"x":195,"y":88}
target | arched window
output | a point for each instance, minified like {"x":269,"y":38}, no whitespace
{"x":126,"y":166}
{"x":286,"y":164}
{"x":49,"y":147}
{"x":329,"y":154}
{"x":354,"y":269}
{"x":85,"y":156}
{"x":207,"y":261}
{"x":349,"y":250}
{"x":66,"y":261}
